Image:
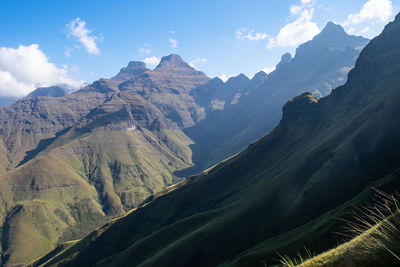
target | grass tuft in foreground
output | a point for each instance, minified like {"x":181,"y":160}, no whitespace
{"x":377,"y":241}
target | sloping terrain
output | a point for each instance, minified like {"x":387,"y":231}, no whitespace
{"x":86,"y":157}
{"x":257,"y":106}
{"x":72,"y":163}
{"x":285,"y":189}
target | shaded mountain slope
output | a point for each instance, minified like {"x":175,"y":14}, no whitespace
{"x":258,"y":111}
{"x":321,"y":157}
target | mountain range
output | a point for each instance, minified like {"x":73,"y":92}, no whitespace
{"x":253,"y":107}
{"x":284,"y":192}
{"x":72,"y":162}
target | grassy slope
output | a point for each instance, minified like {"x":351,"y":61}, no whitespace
{"x":377,"y":242}
{"x":89,"y":157}
{"x":44,"y":206}
{"x":328,"y":151}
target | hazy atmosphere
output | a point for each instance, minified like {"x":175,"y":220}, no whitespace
{"x":200,"y":133}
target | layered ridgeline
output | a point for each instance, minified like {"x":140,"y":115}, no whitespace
{"x":242,"y":110}
{"x":284,"y":192}
{"x":70,"y":163}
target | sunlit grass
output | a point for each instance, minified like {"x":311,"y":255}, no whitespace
{"x":376,"y":242}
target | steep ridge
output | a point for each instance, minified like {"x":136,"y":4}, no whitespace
{"x":283,"y":192}
{"x":258,"y":110}
{"x":90,"y":156}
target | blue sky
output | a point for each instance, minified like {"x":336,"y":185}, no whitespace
{"x":45,"y":42}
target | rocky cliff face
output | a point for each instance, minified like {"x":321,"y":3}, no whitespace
{"x":133,"y":69}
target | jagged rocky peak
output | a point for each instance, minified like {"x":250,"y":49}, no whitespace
{"x":261,"y":75}
{"x":216,"y":81}
{"x":240,"y":78}
{"x":134,"y":68}
{"x":285,"y":59}
{"x":333,"y":29}
{"x":171,"y":62}
{"x":51,"y":91}
{"x":333,"y":36}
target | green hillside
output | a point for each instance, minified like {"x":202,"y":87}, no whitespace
{"x":73,"y":163}
{"x":283,"y":192}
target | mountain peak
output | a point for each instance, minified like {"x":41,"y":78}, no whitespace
{"x":172,"y":61}
{"x":286,"y":58}
{"x":333,"y":36}
{"x":261,"y":75}
{"x":134,"y":68}
{"x":51,"y":91}
{"x":333,"y":29}
{"x":240,"y":78}
{"x":137,"y":64}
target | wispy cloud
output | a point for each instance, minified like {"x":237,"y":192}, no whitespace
{"x":381,"y":10}
{"x":77,"y":29}
{"x":173,"y":43}
{"x":152,"y":62}
{"x":197,"y":61}
{"x":250,"y":34}
{"x":25,"y":68}
{"x":145,"y":49}
{"x":68,"y":51}
{"x":299,"y":31}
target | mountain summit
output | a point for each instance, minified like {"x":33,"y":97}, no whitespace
{"x":333,"y":36}
{"x":134,"y":68}
{"x":172,"y":61}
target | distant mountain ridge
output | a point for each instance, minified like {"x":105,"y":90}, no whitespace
{"x":318,"y":66}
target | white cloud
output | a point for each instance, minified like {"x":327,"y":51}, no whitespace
{"x":365,"y":30}
{"x":308,"y":2}
{"x":381,"y":10}
{"x":152,"y":62}
{"x":77,"y":28}
{"x":299,"y":31}
{"x":25,"y":68}
{"x":268,"y":70}
{"x":173,"y":43}
{"x":200,"y":60}
{"x":225,"y":77}
{"x":246,"y":34}
{"x":145,"y":49}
